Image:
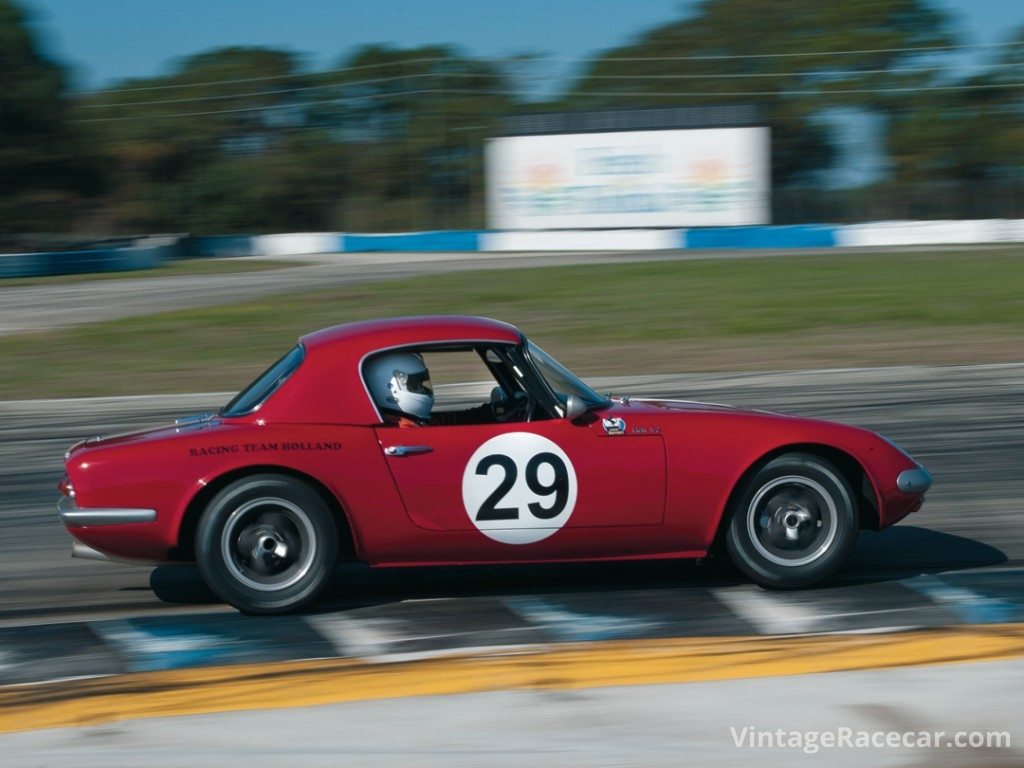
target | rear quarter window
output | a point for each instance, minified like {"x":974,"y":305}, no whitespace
{"x":264,"y":385}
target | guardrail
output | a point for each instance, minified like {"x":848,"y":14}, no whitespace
{"x":152,"y":252}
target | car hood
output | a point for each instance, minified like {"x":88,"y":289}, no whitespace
{"x":691,"y":406}
{"x":655,"y":407}
{"x":651,"y":408}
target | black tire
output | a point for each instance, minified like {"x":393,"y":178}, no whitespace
{"x":267,"y":544}
{"x":794,"y":523}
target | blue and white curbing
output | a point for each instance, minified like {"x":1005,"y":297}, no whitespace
{"x":955,"y":232}
{"x":443,"y":240}
{"x":879,"y":234}
{"x":782,"y":237}
{"x":416,"y":629}
{"x":801,"y":236}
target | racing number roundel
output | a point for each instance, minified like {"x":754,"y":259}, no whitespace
{"x":519,"y":488}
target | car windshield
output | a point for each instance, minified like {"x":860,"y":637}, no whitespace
{"x":561,"y":379}
{"x":253,"y":396}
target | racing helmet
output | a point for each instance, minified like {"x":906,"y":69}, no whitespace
{"x":399,"y":382}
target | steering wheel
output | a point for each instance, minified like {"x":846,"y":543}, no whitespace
{"x":517,"y":408}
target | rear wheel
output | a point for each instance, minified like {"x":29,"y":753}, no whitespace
{"x":267,"y":544}
{"x":794,"y":523}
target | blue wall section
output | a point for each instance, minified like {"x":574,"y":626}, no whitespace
{"x":217,"y":245}
{"x":77,"y":262}
{"x":147,"y":255}
{"x":412,"y":241}
{"x":798,"y":236}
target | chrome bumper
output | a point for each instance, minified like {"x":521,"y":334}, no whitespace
{"x":914,"y":480}
{"x":74,"y":516}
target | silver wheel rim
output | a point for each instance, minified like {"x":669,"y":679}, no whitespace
{"x":792,"y":520}
{"x":268,"y":544}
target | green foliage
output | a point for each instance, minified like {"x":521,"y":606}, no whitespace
{"x":43,"y":167}
{"x":966,"y":137}
{"x":208,"y":147}
{"x":742,"y":51}
{"x":248,"y":139}
{"x":243,"y":140}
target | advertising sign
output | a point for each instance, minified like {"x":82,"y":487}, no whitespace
{"x":670,"y":178}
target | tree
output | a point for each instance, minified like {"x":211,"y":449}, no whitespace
{"x":191,"y":150}
{"x":417,"y":120}
{"x":44,"y":167}
{"x":971,"y":132}
{"x":796,"y":58}
{"x":242,"y":140}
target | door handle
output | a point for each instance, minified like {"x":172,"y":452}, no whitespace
{"x":407,"y":450}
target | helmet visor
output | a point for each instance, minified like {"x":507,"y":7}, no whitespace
{"x":417,"y":383}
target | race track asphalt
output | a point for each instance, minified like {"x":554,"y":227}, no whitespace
{"x":954,"y":570}
{"x":966,"y":424}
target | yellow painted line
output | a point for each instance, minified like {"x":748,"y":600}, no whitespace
{"x":612,"y":663}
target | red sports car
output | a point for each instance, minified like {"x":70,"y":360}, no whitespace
{"x":344,"y":449}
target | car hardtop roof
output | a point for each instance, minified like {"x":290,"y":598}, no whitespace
{"x":422,"y":329}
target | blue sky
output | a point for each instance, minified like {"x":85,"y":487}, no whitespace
{"x":107,"y":40}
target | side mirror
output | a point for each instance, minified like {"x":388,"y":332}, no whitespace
{"x":575,"y":407}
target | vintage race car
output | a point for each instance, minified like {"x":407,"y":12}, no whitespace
{"x":303,"y":468}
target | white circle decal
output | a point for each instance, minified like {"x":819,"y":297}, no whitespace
{"x":519,"y":488}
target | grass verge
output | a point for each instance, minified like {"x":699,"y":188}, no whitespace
{"x":730,"y":314}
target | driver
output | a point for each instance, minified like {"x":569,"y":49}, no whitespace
{"x":399,"y":383}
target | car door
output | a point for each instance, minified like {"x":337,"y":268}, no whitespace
{"x":523,"y":482}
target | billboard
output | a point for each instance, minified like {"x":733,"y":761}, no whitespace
{"x":669,"y":178}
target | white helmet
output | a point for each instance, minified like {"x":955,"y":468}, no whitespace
{"x":400,"y":382}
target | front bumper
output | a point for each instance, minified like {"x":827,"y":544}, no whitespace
{"x":74,"y":516}
{"x":916,"y":480}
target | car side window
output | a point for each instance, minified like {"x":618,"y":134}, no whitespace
{"x":460,"y":379}
{"x":471,"y":385}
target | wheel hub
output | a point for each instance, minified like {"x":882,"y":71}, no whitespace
{"x":792,"y":520}
{"x":268,"y":543}
{"x":268,"y":547}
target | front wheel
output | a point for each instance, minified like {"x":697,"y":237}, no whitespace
{"x":794,"y":523}
{"x":267,"y":544}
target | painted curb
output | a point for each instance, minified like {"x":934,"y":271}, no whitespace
{"x":607,"y":664}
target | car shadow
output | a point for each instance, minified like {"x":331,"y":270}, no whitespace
{"x":180,"y":584}
{"x":897,"y":553}
{"x":905,"y":551}
{"x":357,"y":585}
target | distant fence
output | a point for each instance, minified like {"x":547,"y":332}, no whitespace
{"x":152,"y":252}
